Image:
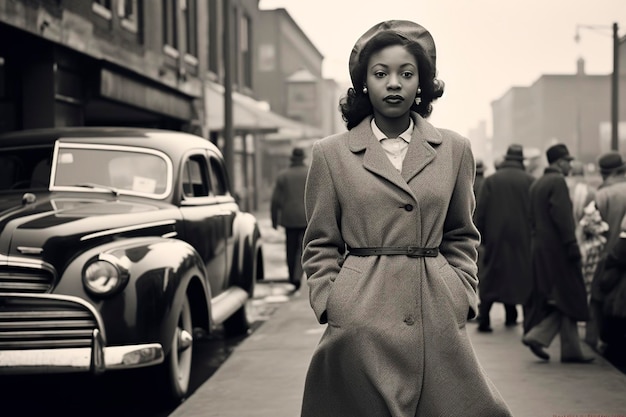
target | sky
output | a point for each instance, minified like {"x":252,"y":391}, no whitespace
{"x":484,"y":47}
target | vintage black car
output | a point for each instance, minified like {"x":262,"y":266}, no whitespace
{"x":116,"y":245}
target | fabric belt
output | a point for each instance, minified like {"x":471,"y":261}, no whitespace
{"x":410,"y":251}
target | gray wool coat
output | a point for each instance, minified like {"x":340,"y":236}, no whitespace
{"x":396,"y":343}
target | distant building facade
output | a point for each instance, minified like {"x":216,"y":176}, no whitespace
{"x":288,"y":76}
{"x":572,"y":109}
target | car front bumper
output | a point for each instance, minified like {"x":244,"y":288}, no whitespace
{"x":48,"y":333}
{"x":95,"y":359}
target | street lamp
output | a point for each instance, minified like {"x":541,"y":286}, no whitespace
{"x":614,"y":78}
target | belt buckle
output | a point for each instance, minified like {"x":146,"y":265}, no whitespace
{"x":413,"y":252}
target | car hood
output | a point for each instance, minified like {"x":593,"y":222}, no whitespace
{"x":55,"y":226}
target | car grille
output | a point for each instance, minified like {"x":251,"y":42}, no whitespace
{"x":25,"y":280}
{"x":43,"y":323}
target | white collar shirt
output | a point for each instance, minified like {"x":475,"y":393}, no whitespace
{"x":395,"y":148}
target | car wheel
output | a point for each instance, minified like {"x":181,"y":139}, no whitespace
{"x":238,"y":324}
{"x":178,"y":362}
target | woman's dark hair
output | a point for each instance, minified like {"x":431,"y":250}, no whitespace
{"x":355,"y":105}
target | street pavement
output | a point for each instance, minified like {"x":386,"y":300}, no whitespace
{"x":264,"y":376}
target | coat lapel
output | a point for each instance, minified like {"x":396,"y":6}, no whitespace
{"x":420,"y":152}
{"x":374,"y":160}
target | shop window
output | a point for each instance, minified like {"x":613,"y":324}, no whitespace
{"x":213,"y":37}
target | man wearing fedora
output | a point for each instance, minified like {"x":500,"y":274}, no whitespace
{"x":287,"y":210}
{"x":559,"y":298}
{"x":502,"y":213}
{"x":611,"y":203}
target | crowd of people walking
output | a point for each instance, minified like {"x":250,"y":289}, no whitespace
{"x":556,"y":246}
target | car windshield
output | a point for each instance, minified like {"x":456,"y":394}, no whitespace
{"x":121,"y":170}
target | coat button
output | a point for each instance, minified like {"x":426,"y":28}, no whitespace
{"x":409,"y":321}
{"x":408,"y":207}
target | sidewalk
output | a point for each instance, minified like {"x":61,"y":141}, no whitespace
{"x":264,"y":376}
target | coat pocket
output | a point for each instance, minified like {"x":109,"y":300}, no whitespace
{"x":342,"y":296}
{"x":456,"y":291}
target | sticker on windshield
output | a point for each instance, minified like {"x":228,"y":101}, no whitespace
{"x":144,"y":185}
{"x":66,"y":158}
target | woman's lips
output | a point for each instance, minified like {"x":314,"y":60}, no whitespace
{"x":393,"y":99}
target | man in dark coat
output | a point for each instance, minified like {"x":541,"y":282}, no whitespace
{"x":287,"y":210}
{"x":559,"y":296}
{"x":503,"y":219}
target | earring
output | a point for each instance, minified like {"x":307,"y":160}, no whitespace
{"x":418,"y":99}
{"x":364,"y":89}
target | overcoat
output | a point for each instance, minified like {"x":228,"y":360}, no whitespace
{"x":557,"y":280}
{"x":395,"y":343}
{"x":287,"y":203}
{"x":503,"y":219}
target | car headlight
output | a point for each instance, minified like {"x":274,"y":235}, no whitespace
{"x":104,"y":277}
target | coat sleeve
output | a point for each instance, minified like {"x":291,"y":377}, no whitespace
{"x":460,"y":236}
{"x":323,"y":244}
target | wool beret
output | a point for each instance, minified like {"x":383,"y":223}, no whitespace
{"x":405,"y":28}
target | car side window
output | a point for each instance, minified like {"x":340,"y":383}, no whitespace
{"x":218,"y":179}
{"x":195,"y":177}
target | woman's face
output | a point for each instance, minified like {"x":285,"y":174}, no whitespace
{"x":392,"y":80}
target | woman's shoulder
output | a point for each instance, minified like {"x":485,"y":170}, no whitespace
{"x":454,"y":137}
{"x":331,"y":141}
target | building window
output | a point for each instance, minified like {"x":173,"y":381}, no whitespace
{"x":128,"y":12}
{"x":213,"y":37}
{"x":102,"y":8}
{"x":246,"y":55}
{"x":190,"y":10}
{"x":170,"y":27}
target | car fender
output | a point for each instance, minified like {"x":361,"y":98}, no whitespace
{"x":249,"y":248}
{"x":160,"y":272}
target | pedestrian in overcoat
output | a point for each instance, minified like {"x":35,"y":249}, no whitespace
{"x":559,"y":295}
{"x":287,"y":210}
{"x":397,"y":193}
{"x":503,"y":219}
{"x":610,"y":200}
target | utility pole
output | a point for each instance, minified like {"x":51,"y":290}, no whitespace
{"x":229,"y":153}
{"x":615,"y":92}
{"x":614,"y":80}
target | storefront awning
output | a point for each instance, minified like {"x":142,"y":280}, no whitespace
{"x":250,"y":115}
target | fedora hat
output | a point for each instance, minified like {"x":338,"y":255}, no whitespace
{"x":515,"y":152}
{"x":610,"y":162}
{"x":404,"y":28}
{"x":558,"y":151}
{"x":297,"y":154}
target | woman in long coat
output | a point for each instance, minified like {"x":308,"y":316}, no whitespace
{"x":396,"y":343}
